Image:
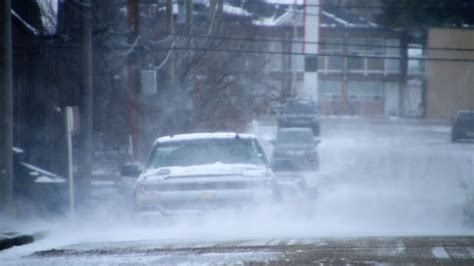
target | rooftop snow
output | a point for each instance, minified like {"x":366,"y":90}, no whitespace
{"x":338,"y":20}
{"x":49,"y":14}
{"x":39,"y":170}
{"x":328,"y":18}
{"x":227,"y":8}
{"x":344,"y":18}
{"x":285,"y":19}
{"x":17,"y":150}
{"x":233,"y":10}
{"x":48,"y":11}
{"x":45,"y":179}
{"x":198,"y":136}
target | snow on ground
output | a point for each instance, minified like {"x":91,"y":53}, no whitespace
{"x":377,"y":178}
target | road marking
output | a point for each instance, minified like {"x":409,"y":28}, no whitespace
{"x":458,"y":252}
{"x":471,"y":251}
{"x":274,"y":242}
{"x":392,"y":250}
{"x":252,"y":243}
{"x":292,"y":242}
{"x":400,"y":247}
{"x":440,"y":253}
{"x":203,"y":245}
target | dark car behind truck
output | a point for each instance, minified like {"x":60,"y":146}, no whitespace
{"x":300,"y":113}
{"x":463,"y":126}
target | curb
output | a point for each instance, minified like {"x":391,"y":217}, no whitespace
{"x":11,"y":239}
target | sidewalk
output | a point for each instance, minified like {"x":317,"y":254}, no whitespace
{"x":11,"y":236}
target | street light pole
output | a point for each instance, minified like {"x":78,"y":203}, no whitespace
{"x":86,"y":108}
{"x":6,"y":107}
{"x":133,"y":77}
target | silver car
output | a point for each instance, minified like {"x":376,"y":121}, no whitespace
{"x":199,"y":172}
{"x":298,"y":145}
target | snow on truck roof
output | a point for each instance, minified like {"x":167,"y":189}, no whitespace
{"x":200,"y":136}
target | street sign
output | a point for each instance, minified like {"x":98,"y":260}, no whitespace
{"x":72,"y":128}
{"x":73,"y":121}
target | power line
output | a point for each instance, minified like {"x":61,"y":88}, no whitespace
{"x":350,"y":6}
{"x":242,"y":38}
{"x":150,"y":42}
{"x":332,"y":6}
{"x":291,"y":41}
{"x":250,"y":51}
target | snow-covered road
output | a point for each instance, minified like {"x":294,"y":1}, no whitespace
{"x":377,"y":178}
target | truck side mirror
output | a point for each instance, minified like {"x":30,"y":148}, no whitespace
{"x":130,"y":170}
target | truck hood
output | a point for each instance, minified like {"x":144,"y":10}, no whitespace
{"x":206,"y":170}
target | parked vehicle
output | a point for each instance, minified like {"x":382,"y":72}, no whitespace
{"x":298,"y":145}
{"x":463,"y":126}
{"x":199,"y":172}
{"x":37,"y":191}
{"x":300,"y":113}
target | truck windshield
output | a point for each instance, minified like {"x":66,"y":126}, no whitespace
{"x":199,"y":152}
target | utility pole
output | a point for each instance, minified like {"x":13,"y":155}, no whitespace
{"x":6,"y":108}
{"x":86,"y":109}
{"x":403,"y":71}
{"x":286,"y":81}
{"x":311,"y":49}
{"x":170,"y":22}
{"x":189,"y":16}
{"x":293,"y":58}
{"x":133,"y":77}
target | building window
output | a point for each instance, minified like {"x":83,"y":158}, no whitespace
{"x":366,"y":46}
{"x":392,"y":50}
{"x":365,"y":90}
{"x":330,"y":90}
{"x":335,"y":63}
{"x":392,"y":65}
{"x":331,"y":46}
{"x":298,"y":63}
{"x":415,"y":66}
{"x":375,"y":64}
{"x":355,"y":63}
{"x":300,"y":76}
{"x":311,"y":63}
